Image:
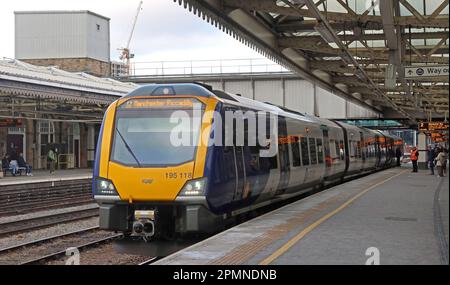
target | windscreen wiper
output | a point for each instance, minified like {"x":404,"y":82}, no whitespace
{"x":128,"y":147}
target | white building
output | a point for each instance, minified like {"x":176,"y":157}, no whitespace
{"x":77,"y":41}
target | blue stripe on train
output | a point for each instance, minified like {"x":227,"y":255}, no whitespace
{"x":98,"y":150}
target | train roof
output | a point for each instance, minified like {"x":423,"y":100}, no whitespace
{"x":204,"y":90}
{"x":198,"y":89}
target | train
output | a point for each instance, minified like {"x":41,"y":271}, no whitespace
{"x":148,"y":187}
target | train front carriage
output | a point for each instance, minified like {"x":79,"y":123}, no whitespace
{"x":146,"y":181}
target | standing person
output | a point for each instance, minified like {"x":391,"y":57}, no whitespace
{"x":51,"y":156}
{"x":431,"y":156}
{"x":444,"y":166}
{"x":414,"y":158}
{"x":440,"y":160}
{"x":398,"y":155}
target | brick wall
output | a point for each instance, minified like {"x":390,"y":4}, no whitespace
{"x":88,"y":65}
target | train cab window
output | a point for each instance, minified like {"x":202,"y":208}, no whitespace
{"x":305,"y":152}
{"x":319,"y":150}
{"x":295,"y":146}
{"x":313,"y":150}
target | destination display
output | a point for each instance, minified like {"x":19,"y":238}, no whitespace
{"x":159,"y":103}
{"x":433,"y":126}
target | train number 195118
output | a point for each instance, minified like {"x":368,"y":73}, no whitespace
{"x":178,"y":175}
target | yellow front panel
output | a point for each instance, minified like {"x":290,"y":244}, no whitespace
{"x":206,"y":130}
{"x":108,"y":126}
{"x":144,"y":184}
{"x":152,"y":184}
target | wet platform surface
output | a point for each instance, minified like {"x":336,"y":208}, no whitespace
{"x":45,"y":176}
{"x":389,"y":217}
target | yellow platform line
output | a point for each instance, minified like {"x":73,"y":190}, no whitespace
{"x":311,"y":227}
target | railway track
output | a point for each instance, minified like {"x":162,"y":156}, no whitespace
{"x":150,"y":261}
{"x":25,"y":225}
{"x":44,"y":240}
{"x":80,"y":247}
{"x":45,"y":249}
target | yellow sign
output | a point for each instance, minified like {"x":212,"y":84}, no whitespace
{"x":158,"y":103}
{"x":433,"y":126}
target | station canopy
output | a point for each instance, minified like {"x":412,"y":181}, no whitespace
{"x":36,"y":92}
{"x":358,"y":47}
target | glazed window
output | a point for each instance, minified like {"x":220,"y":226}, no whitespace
{"x":319,"y":150}
{"x":313,"y":150}
{"x":142,"y":137}
{"x":295,"y":146}
{"x":305,"y":152}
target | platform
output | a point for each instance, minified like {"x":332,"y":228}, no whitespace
{"x":403,"y":216}
{"x":45,"y":176}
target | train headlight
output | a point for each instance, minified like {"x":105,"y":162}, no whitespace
{"x":196,"y":187}
{"x":105,"y":187}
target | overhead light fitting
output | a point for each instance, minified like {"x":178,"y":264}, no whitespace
{"x":324,"y":33}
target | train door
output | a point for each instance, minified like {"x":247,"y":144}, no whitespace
{"x":229,"y":135}
{"x":240,"y":171}
{"x":283,"y":152}
{"x":362,"y":150}
{"x":327,"y":151}
{"x":377,"y":151}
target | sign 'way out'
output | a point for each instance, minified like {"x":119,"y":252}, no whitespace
{"x":426,"y":71}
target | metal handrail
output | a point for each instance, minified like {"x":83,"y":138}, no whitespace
{"x":215,"y":66}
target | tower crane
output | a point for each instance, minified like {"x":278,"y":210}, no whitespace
{"x":126,"y":55}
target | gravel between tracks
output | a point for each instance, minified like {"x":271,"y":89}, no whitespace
{"x":59,"y":244}
{"x":46,"y":213}
{"x":104,"y":255}
{"x":16,"y":239}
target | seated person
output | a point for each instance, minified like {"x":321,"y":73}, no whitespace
{"x":23,"y":164}
{"x":14,"y":167}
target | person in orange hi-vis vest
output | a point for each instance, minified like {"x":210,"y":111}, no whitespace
{"x":414,"y":158}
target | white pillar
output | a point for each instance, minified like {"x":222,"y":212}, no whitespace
{"x":422,"y":147}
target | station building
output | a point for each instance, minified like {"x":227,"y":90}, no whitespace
{"x":54,"y":93}
{"x":43,"y":107}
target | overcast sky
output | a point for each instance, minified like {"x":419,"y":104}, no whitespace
{"x":164,"y":31}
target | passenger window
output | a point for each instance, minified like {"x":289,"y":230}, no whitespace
{"x":319,"y":150}
{"x":358,"y":149}
{"x":341,"y":150}
{"x":305,"y":152}
{"x":332,"y":149}
{"x":313,"y":150}
{"x":273,"y":162}
{"x":295,"y":146}
{"x":338,"y":151}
